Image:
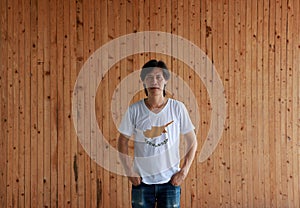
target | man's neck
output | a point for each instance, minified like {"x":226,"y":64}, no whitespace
{"x":155,"y":101}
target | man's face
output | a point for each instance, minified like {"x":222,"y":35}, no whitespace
{"x":155,"y":81}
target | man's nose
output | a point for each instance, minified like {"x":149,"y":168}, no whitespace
{"x":155,"y":80}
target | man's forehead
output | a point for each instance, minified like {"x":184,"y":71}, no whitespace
{"x":155,"y":71}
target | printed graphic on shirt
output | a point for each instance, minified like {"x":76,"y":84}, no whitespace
{"x":156,"y":131}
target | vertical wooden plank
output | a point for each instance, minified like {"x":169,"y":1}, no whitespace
{"x":184,"y":75}
{"x":47,"y":107}
{"x":99,"y":109}
{"x":296,"y":103}
{"x":163,"y":13}
{"x":278,"y":33}
{"x":203,"y":110}
{"x":10,"y":105}
{"x":53,"y":103}
{"x":125,"y":184}
{"x":86,"y":165}
{"x":113,"y":54}
{"x":296,"y":98}
{"x":215,"y":57}
{"x":113,"y":74}
{"x":97,"y":169}
{"x":174,"y":62}
{"x":260,"y":110}
{"x":248,"y":69}
{"x":103,"y":189}
{"x":126,"y":68}
{"x":271,"y":98}
{"x":265,"y":113}
{"x":34,"y":104}
{"x":16,"y":105}
{"x":242,"y":104}
{"x":272,"y":104}
{"x":93,"y":154}
{"x":22,"y":72}
{"x":124,"y":201}
{"x":105,"y":96}
{"x":254,"y":106}
{"x":167,"y":26}
{"x":60,"y":105}
{"x":78,"y":163}
{"x":218,"y":31}
{"x":105,"y":120}
{"x":40,"y":101}
{"x":141,"y":27}
{"x":222,"y":47}
{"x":243,"y":100}
{"x":232,"y":98}
{"x":73,"y":76}
{"x":137,"y":61}
{"x":192,"y":84}
{"x":146,"y":10}
{"x":3,"y":101}
{"x":239,"y":60}
{"x":191,"y":79}
{"x":196,"y":90}
{"x":208,"y":41}
{"x":283,"y":104}
{"x":100,"y":35}
{"x":226,"y":138}
{"x":289,"y":119}
{"x":237,"y":144}
{"x":115,"y":77}
{"x":180,"y":72}
{"x":153,"y":25}
{"x":27,"y":112}
{"x":67,"y":104}
{"x":96,"y":186}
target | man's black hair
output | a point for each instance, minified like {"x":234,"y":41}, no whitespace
{"x":149,"y":66}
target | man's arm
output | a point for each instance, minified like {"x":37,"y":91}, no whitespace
{"x":192,"y":144}
{"x":126,"y":162}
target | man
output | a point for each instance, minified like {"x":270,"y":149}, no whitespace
{"x":155,"y":123}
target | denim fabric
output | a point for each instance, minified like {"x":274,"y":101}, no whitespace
{"x":164,"y":195}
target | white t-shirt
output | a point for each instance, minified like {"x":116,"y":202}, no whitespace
{"x":156,"y":159}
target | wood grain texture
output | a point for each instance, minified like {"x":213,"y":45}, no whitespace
{"x":254,"y":45}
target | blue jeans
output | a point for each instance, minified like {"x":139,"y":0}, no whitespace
{"x":164,"y":195}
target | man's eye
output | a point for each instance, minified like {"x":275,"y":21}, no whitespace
{"x":149,"y":78}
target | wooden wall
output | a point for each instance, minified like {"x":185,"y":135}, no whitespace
{"x":255,"y":46}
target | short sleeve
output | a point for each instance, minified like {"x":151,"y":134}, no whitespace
{"x":126,"y":126}
{"x":186,"y":124}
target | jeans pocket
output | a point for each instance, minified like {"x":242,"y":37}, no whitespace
{"x":173,"y":185}
{"x":138,"y":186}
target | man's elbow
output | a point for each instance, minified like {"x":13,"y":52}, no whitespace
{"x":192,"y":138}
{"x":195,"y":143}
{"x":122,"y":141}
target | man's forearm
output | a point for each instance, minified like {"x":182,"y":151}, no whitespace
{"x":192,"y":148}
{"x":123,"y":153}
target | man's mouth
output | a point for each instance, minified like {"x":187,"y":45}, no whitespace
{"x":154,"y":88}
